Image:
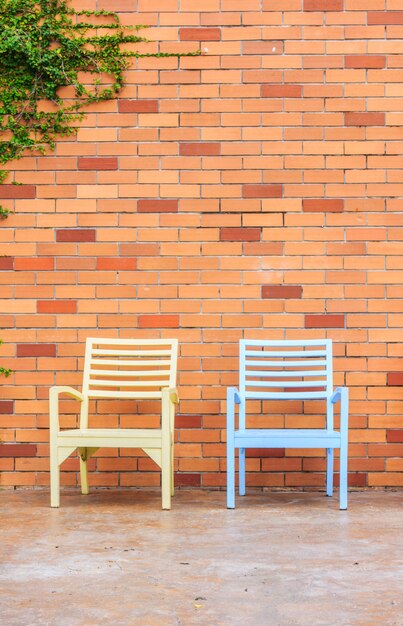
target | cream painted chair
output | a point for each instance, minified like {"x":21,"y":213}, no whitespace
{"x":119,"y":369}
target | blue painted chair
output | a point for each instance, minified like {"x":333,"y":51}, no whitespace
{"x":286,"y":370}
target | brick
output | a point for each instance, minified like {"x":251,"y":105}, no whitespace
{"x":75,"y":234}
{"x":281,"y":291}
{"x":394,"y":436}
{"x":263,"y":248}
{"x":200,"y":34}
{"x":188,"y":421}
{"x":157,"y":206}
{"x":385,"y":17}
{"x":39,"y":264}
{"x":6,"y":263}
{"x":6,"y":406}
{"x":364,"y":119}
{"x":365,"y":61}
{"x":324,"y":321}
{"x":137,"y":106}
{"x":187,"y":480}
{"x":240,"y":234}
{"x":274,"y":453}
{"x":281,"y":91}
{"x":17,"y":450}
{"x":139,"y":249}
{"x":323,"y":5}
{"x":325,"y":205}
{"x":158,"y":321}
{"x":97,"y":163}
{"x":36,"y":349}
{"x":199,"y":149}
{"x":395,"y":379}
{"x":263,"y":47}
{"x":262,"y":191}
{"x":57,"y":306}
{"x":17,"y":191}
{"x":118,"y":264}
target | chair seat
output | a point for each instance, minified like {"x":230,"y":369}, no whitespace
{"x":111,"y":437}
{"x":287,"y":438}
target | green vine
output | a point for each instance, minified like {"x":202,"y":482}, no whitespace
{"x":46,"y":45}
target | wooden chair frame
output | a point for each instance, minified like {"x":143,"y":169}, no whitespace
{"x":136,"y":370}
{"x":286,"y":370}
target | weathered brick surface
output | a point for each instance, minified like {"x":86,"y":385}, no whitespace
{"x":97,"y":163}
{"x":254,"y":191}
{"x":36,"y":349}
{"x":6,"y":263}
{"x":17,"y":450}
{"x":137,"y":106}
{"x":395,"y":379}
{"x":17,"y":191}
{"x":281,"y":291}
{"x":6,"y":406}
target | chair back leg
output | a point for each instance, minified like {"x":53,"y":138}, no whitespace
{"x":242,"y":469}
{"x":329,"y":471}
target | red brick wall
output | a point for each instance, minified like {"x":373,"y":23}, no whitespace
{"x":254,"y":191}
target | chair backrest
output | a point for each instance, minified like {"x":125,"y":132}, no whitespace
{"x":286,"y":369}
{"x":129,"y":368}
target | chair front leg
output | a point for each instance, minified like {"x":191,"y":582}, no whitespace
{"x":242,"y":470}
{"x":54,"y":477}
{"x":231,"y":448}
{"x":343,"y":476}
{"x":172,"y":470}
{"x":341,"y":394}
{"x":166,"y":451}
{"x":329,"y":471}
{"x":53,"y":449}
{"x":230,"y":474}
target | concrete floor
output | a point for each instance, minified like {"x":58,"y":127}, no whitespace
{"x":279,"y":559}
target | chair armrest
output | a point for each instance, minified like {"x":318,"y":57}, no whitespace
{"x":54,"y":393}
{"x":168,"y":401}
{"x":233,"y":397}
{"x":69,"y":390}
{"x":170,"y":393}
{"x":337,"y":394}
{"x":341,"y":394}
{"x":173,"y":395}
{"x":233,"y":393}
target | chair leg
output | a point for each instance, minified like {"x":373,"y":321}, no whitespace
{"x":84,"y":477}
{"x":242,"y":483}
{"x":343,"y":476}
{"x":172,"y":471}
{"x":166,"y":451}
{"x":54,"y":478}
{"x":166,"y":476}
{"x":230,"y":476}
{"x":329,"y":471}
{"x":166,"y":488}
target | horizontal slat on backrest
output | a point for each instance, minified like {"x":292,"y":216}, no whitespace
{"x":285,"y":369}
{"x":123,"y":368}
{"x":132,"y":353}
